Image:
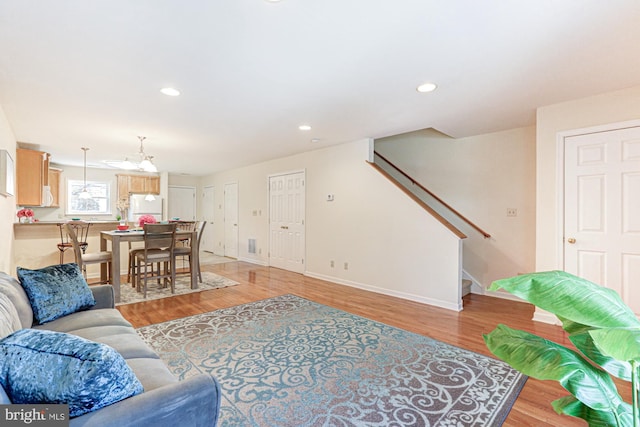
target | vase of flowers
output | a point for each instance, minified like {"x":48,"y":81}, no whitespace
{"x":146,"y":219}
{"x":25,"y":215}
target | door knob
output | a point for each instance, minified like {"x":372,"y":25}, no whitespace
{"x":571,"y":240}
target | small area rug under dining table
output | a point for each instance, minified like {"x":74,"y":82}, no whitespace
{"x":288,"y":361}
{"x":210,"y":281}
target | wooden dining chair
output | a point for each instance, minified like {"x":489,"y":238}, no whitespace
{"x":159,"y":243}
{"x":185,"y":251}
{"x":132,"y":269}
{"x":83,"y":259}
{"x":82,"y":232}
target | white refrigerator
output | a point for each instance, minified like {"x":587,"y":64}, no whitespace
{"x":138,"y":206}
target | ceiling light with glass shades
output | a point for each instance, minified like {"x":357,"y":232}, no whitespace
{"x":144,"y":164}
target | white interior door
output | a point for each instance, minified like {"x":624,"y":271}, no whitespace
{"x":208,"y":209}
{"x":231,"y":220}
{"x":286,"y":221}
{"x":182,"y":203}
{"x":602,"y":210}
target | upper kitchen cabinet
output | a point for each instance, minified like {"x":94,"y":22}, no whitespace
{"x":54,"y":185}
{"x":136,"y":184}
{"x":32,"y":176}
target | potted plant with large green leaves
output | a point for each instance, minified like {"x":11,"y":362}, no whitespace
{"x":599,"y":324}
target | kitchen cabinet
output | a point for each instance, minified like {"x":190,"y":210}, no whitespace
{"x":54,"y":185}
{"x":152,"y":185}
{"x":32,"y":174}
{"x":136,"y":184}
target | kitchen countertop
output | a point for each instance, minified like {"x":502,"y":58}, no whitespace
{"x":62,"y":221}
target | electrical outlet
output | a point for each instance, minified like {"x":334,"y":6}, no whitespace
{"x":512,"y":212}
{"x":346,"y":265}
{"x":333,"y":264}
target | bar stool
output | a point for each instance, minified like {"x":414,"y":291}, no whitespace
{"x":81,"y":229}
{"x":104,"y":257}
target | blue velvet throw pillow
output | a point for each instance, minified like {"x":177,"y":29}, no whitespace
{"x":38,"y":366}
{"x":56,"y":291}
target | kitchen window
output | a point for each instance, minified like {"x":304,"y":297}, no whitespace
{"x":98,"y":204}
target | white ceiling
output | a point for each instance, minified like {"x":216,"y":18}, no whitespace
{"x":79,"y":73}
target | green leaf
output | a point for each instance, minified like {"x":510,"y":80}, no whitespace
{"x":546,"y":360}
{"x":572,"y":298}
{"x":569,"y":405}
{"x":581,"y":338}
{"x":619,"y":343}
{"x":617,"y":368}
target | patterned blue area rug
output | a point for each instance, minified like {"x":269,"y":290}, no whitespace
{"x":287,"y":361}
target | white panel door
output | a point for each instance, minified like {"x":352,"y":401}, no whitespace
{"x":208,"y":208}
{"x":286,"y":221}
{"x":602,"y":210}
{"x":231,"y":220}
{"x":182,"y":203}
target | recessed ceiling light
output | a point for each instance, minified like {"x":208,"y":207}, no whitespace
{"x":426,"y":87}
{"x":169,"y":91}
{"x":304,"y":127}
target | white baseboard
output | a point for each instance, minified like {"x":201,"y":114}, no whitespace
{"x":502,"y":295}
{"x":383,"y":291}
{"x":254,"y":261}
{"x":545,"y":317}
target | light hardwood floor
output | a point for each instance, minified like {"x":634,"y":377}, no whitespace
{"x":464,"y":329}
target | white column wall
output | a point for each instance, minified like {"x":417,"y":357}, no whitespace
{"x":7,"y":203}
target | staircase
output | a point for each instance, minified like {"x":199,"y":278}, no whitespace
{"x":466,"y":286}
{"x":447,"y":215}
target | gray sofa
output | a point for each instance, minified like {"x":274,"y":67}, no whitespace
{"x":165,"y":401}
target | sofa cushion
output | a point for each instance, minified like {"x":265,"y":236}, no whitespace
{"x":152,"y":373}
{"x":39,"y":366}
{"x":56,"y":291}
{"x":86,"y":319}
{"x":9,"y":318}
{"x":125,"y":340}
{"x":12,"y":288}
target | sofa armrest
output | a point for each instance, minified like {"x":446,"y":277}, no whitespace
{"x":103,"y":295}
{"x":192,"y":402}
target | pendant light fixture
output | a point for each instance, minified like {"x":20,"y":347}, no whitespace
{"x":85,"y":194}
{"x":146,"y":163}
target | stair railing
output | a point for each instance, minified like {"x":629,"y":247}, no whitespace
{"x":431,"y":194}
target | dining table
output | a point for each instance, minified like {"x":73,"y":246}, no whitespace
{"x":117,"y":237}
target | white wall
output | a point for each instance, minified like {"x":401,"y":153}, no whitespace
{"x":480,"y":177}
{"x":392,"y":246}
{"x":7,"y":203}
{"x":612,"y":107}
